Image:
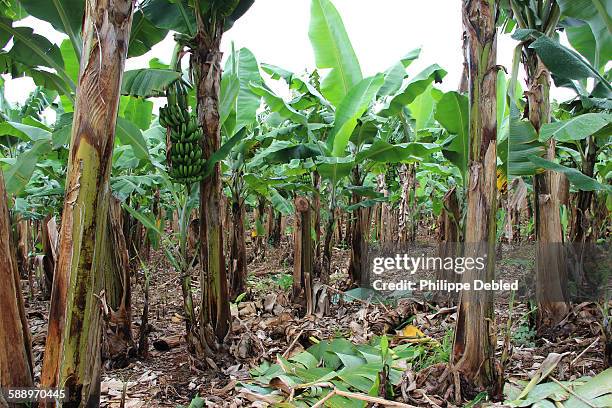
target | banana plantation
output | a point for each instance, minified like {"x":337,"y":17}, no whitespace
{"x":201,"y":228}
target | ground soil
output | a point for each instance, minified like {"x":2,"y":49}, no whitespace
{"x":266,"y":323}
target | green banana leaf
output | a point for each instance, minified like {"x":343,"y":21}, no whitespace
{"x":350,"y":110}
{"x":333,"y":50}
{"x":147,"y":82}
{"x":596,"y":13}
{"x":576,"y":178}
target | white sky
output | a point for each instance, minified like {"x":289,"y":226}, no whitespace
{"x":276,"y":31}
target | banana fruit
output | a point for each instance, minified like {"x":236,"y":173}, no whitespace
{"x":184,"y":153}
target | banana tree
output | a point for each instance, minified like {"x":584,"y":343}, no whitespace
{"x":57,"y":68}
{"x":203,"y":24}
{"x":136,"y":191}
{"x":16,"y":362}
{"x":184,"y":202}
{"x":237,"y":256}
{"x":37,"y":176}
{"x":587,"y":32}
{"x":581,"y":131}
{"x":212,"y":19}
{"x":550,"y":262}
{"x":245,"y":184}
{"x":237,"y":103}
{"x":288,"y":188}
{"x":352,"y":142}
{"x":342,"y":126}
{"x":542,"y":54}
{"x":474,"y":345}
{"x":583,"y":141}
{"x":72,"y":356}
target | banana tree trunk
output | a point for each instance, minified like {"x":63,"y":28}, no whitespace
{"x":72,"y":354}
{"x":23,"y":246}
{"x":316,"y":221}
{"x":16,"y":351}
{"x":330,"y":229}
{"x":359,"y":233}
{"x":448,"y":237}
{"x":226,"y":211}
{"x":407,"y":219}
{"x":132,"y":230}
{"x":259,"y":244}
{"x":206,"y":63}
{"x":517,"y":204}
{"x":474,"y":345}
{"x":551,"y":279}
{"x":338,"y":236}
{"x":581,"y":213}
{"x":303,"y":255}
{"x":118,"y":292}
{"x":238,"y":254}
{"x":386,"y":232}
{"x":275,"y":237}
{"x":269,"y":223}
{"x":49,"y":239}
{"x":192,"y":334}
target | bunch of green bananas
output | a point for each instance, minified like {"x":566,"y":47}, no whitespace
{"x":185,"y":153}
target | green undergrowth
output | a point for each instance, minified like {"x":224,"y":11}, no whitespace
{"x":583,"y":392}
{"x":282,"y":281}
{"x":373,"y":369}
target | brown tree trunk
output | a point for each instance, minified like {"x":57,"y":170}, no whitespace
{"x":72,"y":354}
{"x":275,"y":237}
{"x":448,"y":236}
{"x":581,"y":214}
{"x":551,"y":276}
{"x":23,"y":246}
{"x":349,"y":228}
{"x":474,"y":345}
{"x":330,"y":228}
{"x":283,"y":226}
{"x":338,"y":235}
{"x":49,"y":238}
{"x":303,"y":255}
{"x":238,"y":254}
{"x":132,"y":230}
{"x":193,"y":232}
{"x":15,"y":350}
{"x":407,"y":217}
{"x":206,"y":63}
{"x":226,"y":211}
{"x":259,"y":244}
{"x":359,"y":244}
{"x":360,"y":229}
{"x":269,"y":223}
{"x":143,"y":334}
{"x":118,"y":291}
{"x":316,"y":222}
{"x":516,"y":204}
{"x":386,"y":232}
